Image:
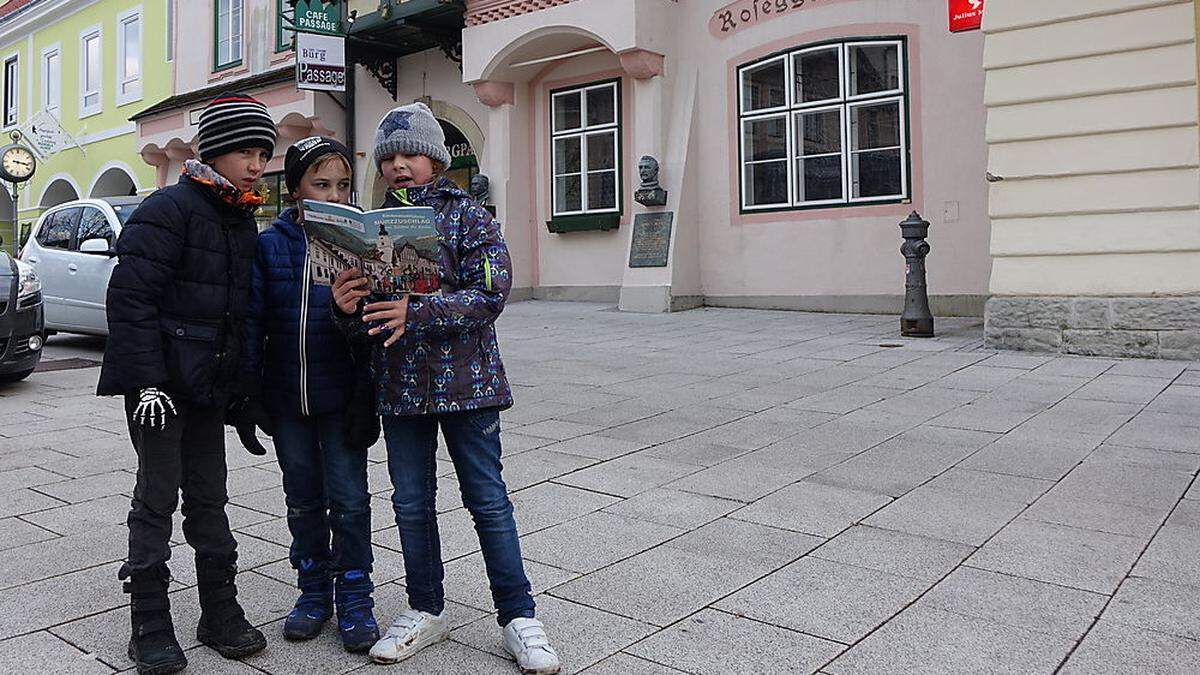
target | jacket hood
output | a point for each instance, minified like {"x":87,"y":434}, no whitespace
{"x":286,"y":223}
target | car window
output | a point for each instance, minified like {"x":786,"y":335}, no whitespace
{"x":124,"y":211}
{"x":58,"y":230}
{"x":93,"y":224}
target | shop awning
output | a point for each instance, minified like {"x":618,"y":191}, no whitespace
{"x":247,"y":84}
{"x":397,"y":29}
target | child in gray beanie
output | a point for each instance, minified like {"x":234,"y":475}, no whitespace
{"x":436,"y":365}
{"x":411,"y":130}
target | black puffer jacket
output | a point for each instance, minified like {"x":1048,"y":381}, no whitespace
{"x":178,"y":296}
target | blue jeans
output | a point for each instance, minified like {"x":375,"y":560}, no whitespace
{"x":325,"y":487}
{"x":473,"y":439}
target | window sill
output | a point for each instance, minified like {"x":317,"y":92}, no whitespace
{"x":583,"y":223}
{"x":827,"y":206}
{"x":89,"y":112}
{"x":129,"y":98}
{"x":224,"y":67}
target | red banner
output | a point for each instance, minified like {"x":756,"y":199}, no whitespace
{"x":965,"y":15}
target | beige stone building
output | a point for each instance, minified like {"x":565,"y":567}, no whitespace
{"x":1092,"y":149}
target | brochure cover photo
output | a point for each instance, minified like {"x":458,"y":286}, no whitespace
{"x":395,"y":248}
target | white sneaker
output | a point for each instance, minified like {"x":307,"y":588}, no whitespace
{"x":525,"y":639}
{"x":411,"y":632}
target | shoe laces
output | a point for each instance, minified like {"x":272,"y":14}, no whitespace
{"x":532,"y":635}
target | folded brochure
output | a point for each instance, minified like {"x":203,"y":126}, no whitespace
{"x":395,"y":248}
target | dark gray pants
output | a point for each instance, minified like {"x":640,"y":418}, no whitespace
{"x":188,"y":456}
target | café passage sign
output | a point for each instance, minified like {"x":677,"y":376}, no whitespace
{"x":743,"y":14}
{"x":320,"y":62}
{"x":318,"y":16}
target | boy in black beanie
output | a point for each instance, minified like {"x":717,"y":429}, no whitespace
{"x":176,"y":303}
{"x":317,"y":397}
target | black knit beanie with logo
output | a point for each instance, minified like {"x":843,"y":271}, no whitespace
{"x":305,"y":152}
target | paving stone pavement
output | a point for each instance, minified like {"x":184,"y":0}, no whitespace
{"x":714,"y":491}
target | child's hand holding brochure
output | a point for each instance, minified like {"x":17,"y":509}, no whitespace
{"x":396,"y":248}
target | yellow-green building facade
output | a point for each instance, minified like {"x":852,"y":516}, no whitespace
{"x":91,"y":64}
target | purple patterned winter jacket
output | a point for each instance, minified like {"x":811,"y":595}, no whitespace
{"x":448,"y":359}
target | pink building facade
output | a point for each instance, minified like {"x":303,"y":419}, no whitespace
{"x":791,"y":136}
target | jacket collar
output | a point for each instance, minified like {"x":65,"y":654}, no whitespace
{"x":441,"y":190}
{"x":286,"y":223}
{"x":204,"y":175}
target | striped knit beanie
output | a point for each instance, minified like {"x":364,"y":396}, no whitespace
{"x":233,"y":122}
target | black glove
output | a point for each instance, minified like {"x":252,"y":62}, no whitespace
{"x":244,"y":414}
{"x":249,"y":439}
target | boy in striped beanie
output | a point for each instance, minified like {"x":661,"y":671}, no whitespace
{"x":176,"y":304}
{"x":236,"y":139}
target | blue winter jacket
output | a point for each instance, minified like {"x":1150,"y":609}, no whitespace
{"x":303,"y":359}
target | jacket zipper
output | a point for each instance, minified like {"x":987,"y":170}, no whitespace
{"x":303,"y":335}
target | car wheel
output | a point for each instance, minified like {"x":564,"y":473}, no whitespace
{"x":16,"y":377}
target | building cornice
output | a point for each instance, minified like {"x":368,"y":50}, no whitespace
{"x":38,"y":14}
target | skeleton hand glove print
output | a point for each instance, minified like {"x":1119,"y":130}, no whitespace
{"x":154,"y":409}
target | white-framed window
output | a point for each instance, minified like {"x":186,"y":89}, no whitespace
{"x":91,"y":68}
{"x":129,"y":56}
{"x":585,"y":136}
{"x":170,"y":30}
{"x":12,"y":91}
{"x":824,"y":125}
{"x":51,"y":88}
{"x":228,"y":47}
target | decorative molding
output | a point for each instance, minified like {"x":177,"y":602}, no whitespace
{"x":32,"y":16}
{"x":108,"y":133}
{"x":641,"y":64}
{"x":63,"y":176}
{"x":492,"y":93}
{"x":487,"y":11}
{"x":114,"y":164}
{"x":381,"y":65}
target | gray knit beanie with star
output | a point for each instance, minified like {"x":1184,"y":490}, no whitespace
{"x":411,"y":130}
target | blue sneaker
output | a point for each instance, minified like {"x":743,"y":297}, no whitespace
{"x":356,"y":622}
{"x":315,"y":605}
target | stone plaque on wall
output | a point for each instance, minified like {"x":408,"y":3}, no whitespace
{"x":651,"y":239}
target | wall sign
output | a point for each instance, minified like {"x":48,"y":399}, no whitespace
{"x":743,"y":14}
{"x":320,"y":62}
{"x":318,"y":16}
{"x":965,"y":15}
{"x":462,"y":155}
{"x":651,"y":242}
{"x":45,"y":135}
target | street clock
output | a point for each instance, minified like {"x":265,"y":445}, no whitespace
{"x":17,"y":163}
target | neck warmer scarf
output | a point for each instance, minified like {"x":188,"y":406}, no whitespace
{"x":230,"y":194}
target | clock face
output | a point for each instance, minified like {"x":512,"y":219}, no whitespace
{"x":18,"y":162}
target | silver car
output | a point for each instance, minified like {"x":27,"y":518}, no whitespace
{"x":71,"y":247}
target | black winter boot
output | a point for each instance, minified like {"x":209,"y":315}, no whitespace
{"x":223,"y":624}
{"x":152,"y":645}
